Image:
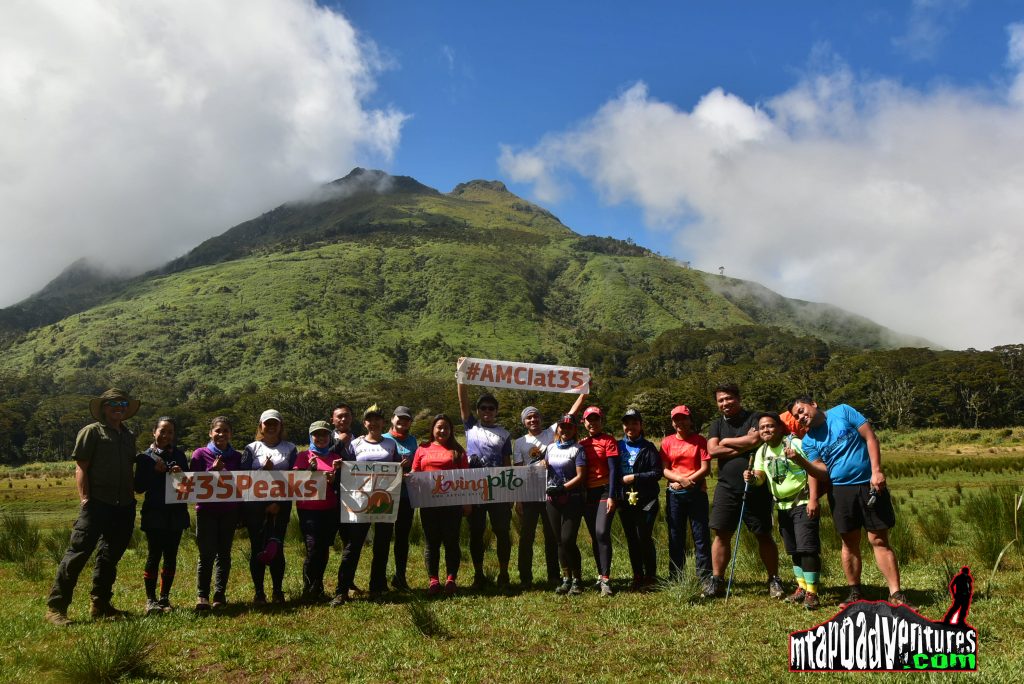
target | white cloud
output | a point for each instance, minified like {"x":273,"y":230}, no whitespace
{"x":891,"y":202}
{"x":133,"y":130}
{"x":928,"y":25}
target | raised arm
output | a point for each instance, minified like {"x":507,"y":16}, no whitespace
{"x":463,"y":402}
{"x":577,"y":404}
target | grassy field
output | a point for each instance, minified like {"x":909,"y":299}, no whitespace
{"x":953,"y":490}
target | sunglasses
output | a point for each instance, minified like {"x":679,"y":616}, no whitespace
{"x":117,"y":404}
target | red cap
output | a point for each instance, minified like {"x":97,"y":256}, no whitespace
{"x":591,"y":410}
{"x":680,"y":411}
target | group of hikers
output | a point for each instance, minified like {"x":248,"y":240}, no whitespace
{"x":765,"y":460}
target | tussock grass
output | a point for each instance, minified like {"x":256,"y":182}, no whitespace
{"x":109,"y":654}
{"x":19,"y":538}
{"x":989,"y":515}
{"x":936,"y":524}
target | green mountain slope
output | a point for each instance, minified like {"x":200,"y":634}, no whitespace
{"x":379,"y":277}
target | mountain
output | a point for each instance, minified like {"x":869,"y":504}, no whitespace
{"x":378,"y":276}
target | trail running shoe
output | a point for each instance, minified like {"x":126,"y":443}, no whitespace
{"x":775,"y":588}
{"x":900,"y":599}
{"x":219,"y":600}
{"x":575,"y":588}
{"x":851,"y":598}
{"x":435,"y":587}
{"x":797,"y":596}
{"x":202,"y":604}
{"x":564,"y":587}
{"x":450,"y":587}
{"x":165,"y":604}
{"x":811,"y":601}
{"x":340,"y":599}
{"x":152,"y":607}
{"x":605,"y":587}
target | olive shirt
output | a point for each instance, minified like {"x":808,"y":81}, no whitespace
{"x":109,"y":458}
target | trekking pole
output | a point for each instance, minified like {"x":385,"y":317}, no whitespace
{"x":739,"y":527}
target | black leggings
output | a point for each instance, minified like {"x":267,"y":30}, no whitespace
{"x":355,"y":539}
{"x":811,"y":562}
{"x":599,"y":524}
{"x":319,"y":528}
{"x":441,"y":526}
{"x":564,"y":518}
{"x":262,"y":528}
{"x":403,"y":525}
{"x":215,"y":533}
{"x":160,"y":544}
{"x":638,"y":526}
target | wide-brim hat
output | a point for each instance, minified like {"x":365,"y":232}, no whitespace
{"x":113,"y":394}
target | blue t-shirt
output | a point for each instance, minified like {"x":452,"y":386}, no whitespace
{"x":406,"y":448}
{"x":627,"y":455}
{"x":838,"y":444}
{"x":563,"y":461}
{"x":491,"y":444}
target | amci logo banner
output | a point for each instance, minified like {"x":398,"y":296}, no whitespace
{"x":877,"y":636}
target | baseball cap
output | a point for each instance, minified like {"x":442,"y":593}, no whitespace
{"x":567,"y":419}
{"x":403,"y":412}
{"x":320,"y":425}
{"x":591,"y":410}
{"x":270,"y":414}
{"x":680,"y":411}
{"x":631,"y":413}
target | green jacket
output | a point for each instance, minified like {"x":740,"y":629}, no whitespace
{"x":108,"y":457}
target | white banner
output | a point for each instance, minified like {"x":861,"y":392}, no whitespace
{"x":370,"y":491}
{"x":477,"y":486}
{"x":524,"y":376}
{"x":245,"y":485}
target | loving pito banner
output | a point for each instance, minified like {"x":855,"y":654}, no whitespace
{"x":370,"y":491}
{"x":476,"y":486}
{"x":524,"y":376}
{"x":246,"y":485}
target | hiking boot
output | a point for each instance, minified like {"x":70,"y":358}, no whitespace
{"x":219,"y":600}
{"x":450,"y":587}
{"x":277,"y":597}
{"x":714,"y":588}
{"x":165,"y":604}
{"x":259,"y":600}
{"x":435,"y":587}
{"x":564,"y":587}
{"x":202,"y":604}
{"x":103,"y":609}
{"x":399,"y":583}
{"x":339,"y":599}
{"x":604,"y":587}
{"x":851,"y":598}
{"x":900,"y":599}
{"x":576,"y":588}
{"x":775,"y":588}
{"x":811,"y":600}
{"x":797,"y":596}
{"x":57,"y":617}
{"x":152,"y":607}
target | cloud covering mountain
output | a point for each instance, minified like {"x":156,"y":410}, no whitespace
{"x":132,"y":131}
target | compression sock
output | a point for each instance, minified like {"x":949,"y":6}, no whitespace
{"x":149,"y":581}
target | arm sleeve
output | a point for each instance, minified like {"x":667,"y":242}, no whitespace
{"x":143,"y":474}
{"x":614,"y":477}
{"x":654,"y":458}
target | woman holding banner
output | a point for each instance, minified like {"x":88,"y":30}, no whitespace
{"x":318,"y":520}
{"x":602,"y":490}
{"x":441,"y":523}
{"x":268,"y":522}
{"x":163,"y":523}
{"x":566,"y":473}
{"x":216,"y":521}
{"x":370,"y":447}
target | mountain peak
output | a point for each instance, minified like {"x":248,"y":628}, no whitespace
{"x":495,"y":185}
{"x":360,"y":180}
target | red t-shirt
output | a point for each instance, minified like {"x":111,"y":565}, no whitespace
{"x":437,"y":457}
{"x":683,"y":455}
{"x":599,"y":449}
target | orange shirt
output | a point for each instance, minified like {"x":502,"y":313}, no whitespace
{"x":437,"y":457}
{"x":683,"y":456}
{"x":599,"y":449}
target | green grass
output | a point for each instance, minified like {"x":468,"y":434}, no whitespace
{"x":667,"y":635}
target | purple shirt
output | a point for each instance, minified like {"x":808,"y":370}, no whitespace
{"x":492,"y":444}
{"x":202,"y":459}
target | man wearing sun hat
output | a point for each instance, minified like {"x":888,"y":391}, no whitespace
{"x":104,"y":456}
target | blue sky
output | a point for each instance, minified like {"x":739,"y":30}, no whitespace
{"x":866,"y":154}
